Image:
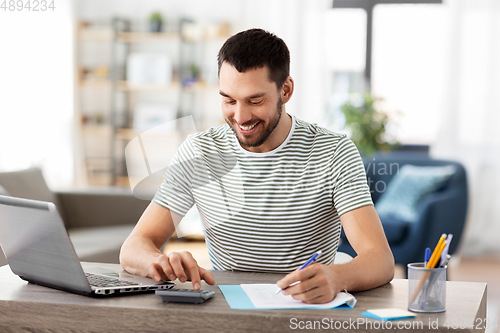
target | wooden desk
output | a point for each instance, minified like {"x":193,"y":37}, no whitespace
{"x":28,"y":307}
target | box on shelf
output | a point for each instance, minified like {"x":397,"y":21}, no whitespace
{"x":149,"y":68}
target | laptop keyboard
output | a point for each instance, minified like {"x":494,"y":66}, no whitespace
{"x":104,"y":281}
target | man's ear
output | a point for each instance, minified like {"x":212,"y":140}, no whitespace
{"x":287,"y":90}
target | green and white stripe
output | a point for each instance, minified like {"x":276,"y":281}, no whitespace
{"x":270,"y":211}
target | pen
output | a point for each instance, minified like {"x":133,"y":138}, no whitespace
{"x":446,"y":260}
{"x":311,"y":260}
{"x":445,"y":251}
{"x":427,"y":256}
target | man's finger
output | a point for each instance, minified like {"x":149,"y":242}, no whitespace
{"x":191,"y":266}
{"x":301,"y":287}
{"x":156,"y":272}
{"x":176,"y":263}
{"x":317,"y":300}
{"x":207,"y":276}
{"x":166,"y":268}
{"x":308,"y":293}
{"x":295,"y":276}
{"x":287,"y":280}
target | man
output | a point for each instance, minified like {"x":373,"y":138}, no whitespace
{"x":271,"y":189}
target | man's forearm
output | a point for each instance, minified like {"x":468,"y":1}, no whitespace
{"x":374,"y":264}
{"x":366,"y":271}
{"x":141,"y":248}
{"x":136,"y":255}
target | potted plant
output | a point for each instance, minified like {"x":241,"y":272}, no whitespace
{"x":155,"y":22}
{"x":367,"y":125}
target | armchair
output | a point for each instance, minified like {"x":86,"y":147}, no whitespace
{"x":443,"y":211}
{"x":98,"y":220}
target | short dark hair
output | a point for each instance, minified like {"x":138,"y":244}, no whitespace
{"x":256,"y":48}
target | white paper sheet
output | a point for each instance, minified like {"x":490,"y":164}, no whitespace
{"x":263,"y":297}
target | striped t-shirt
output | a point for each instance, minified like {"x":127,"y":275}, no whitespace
{"x":267,"y":212}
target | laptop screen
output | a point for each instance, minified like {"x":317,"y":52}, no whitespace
{"x":37,"y":245}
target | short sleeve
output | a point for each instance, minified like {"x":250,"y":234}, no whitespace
{"x":350,"y":190}
{"x":175,"y":192}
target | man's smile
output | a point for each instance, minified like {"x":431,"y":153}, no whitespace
{"x":247,"y":130}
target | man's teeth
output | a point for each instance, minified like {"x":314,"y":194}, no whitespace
{"x":247,"y":128}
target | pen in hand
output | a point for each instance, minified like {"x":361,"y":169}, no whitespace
{"x":310,"y":261}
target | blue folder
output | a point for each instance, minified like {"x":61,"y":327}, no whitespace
{"x":238,"y":299}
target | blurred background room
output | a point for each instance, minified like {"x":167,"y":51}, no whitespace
{"x":85,"y":85}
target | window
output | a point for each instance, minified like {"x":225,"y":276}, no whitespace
{"x":402,"y":61}
{"x":408,"y":62}
{"x":345,"y":52}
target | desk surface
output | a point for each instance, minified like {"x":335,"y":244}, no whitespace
{"x":33,"y":308}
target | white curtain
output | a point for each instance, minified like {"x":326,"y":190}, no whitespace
{"x":36,"y":89}
{"x":471,"y":116}
{"x":301,"y":24}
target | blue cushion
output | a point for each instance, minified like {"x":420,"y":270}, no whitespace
{"x":409,"y":187}
{"x":395,"y":230}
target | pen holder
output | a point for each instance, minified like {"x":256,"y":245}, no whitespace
{"x":427,"y":288}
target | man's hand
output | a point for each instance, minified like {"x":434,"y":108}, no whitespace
{"x":182,"y":266}
{"x":372,"y":267}
{"x":317,"y":284}
{"x":140,"y":253}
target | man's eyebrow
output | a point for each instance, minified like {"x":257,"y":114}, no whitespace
{"x":258,"y":95}
{"x":224,"y":94}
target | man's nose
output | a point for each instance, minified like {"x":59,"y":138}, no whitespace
{"x":242,"y":114}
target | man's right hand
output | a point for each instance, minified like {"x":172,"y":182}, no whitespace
{"x":140,"y":253}
{"x":182,"y":266}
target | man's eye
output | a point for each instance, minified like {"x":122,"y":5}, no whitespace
{"x":229,"y":101}
{"x":256,"y":102}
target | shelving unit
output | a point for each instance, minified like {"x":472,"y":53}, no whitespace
{"x":106,"y":99}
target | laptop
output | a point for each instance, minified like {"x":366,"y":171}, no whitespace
{"x":39,"y":250}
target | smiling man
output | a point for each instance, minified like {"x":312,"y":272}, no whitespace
{"x":271,"y":189}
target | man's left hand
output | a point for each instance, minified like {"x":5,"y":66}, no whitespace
{"x":317,"y":284}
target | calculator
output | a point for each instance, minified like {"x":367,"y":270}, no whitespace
{"x":185,"y":295}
